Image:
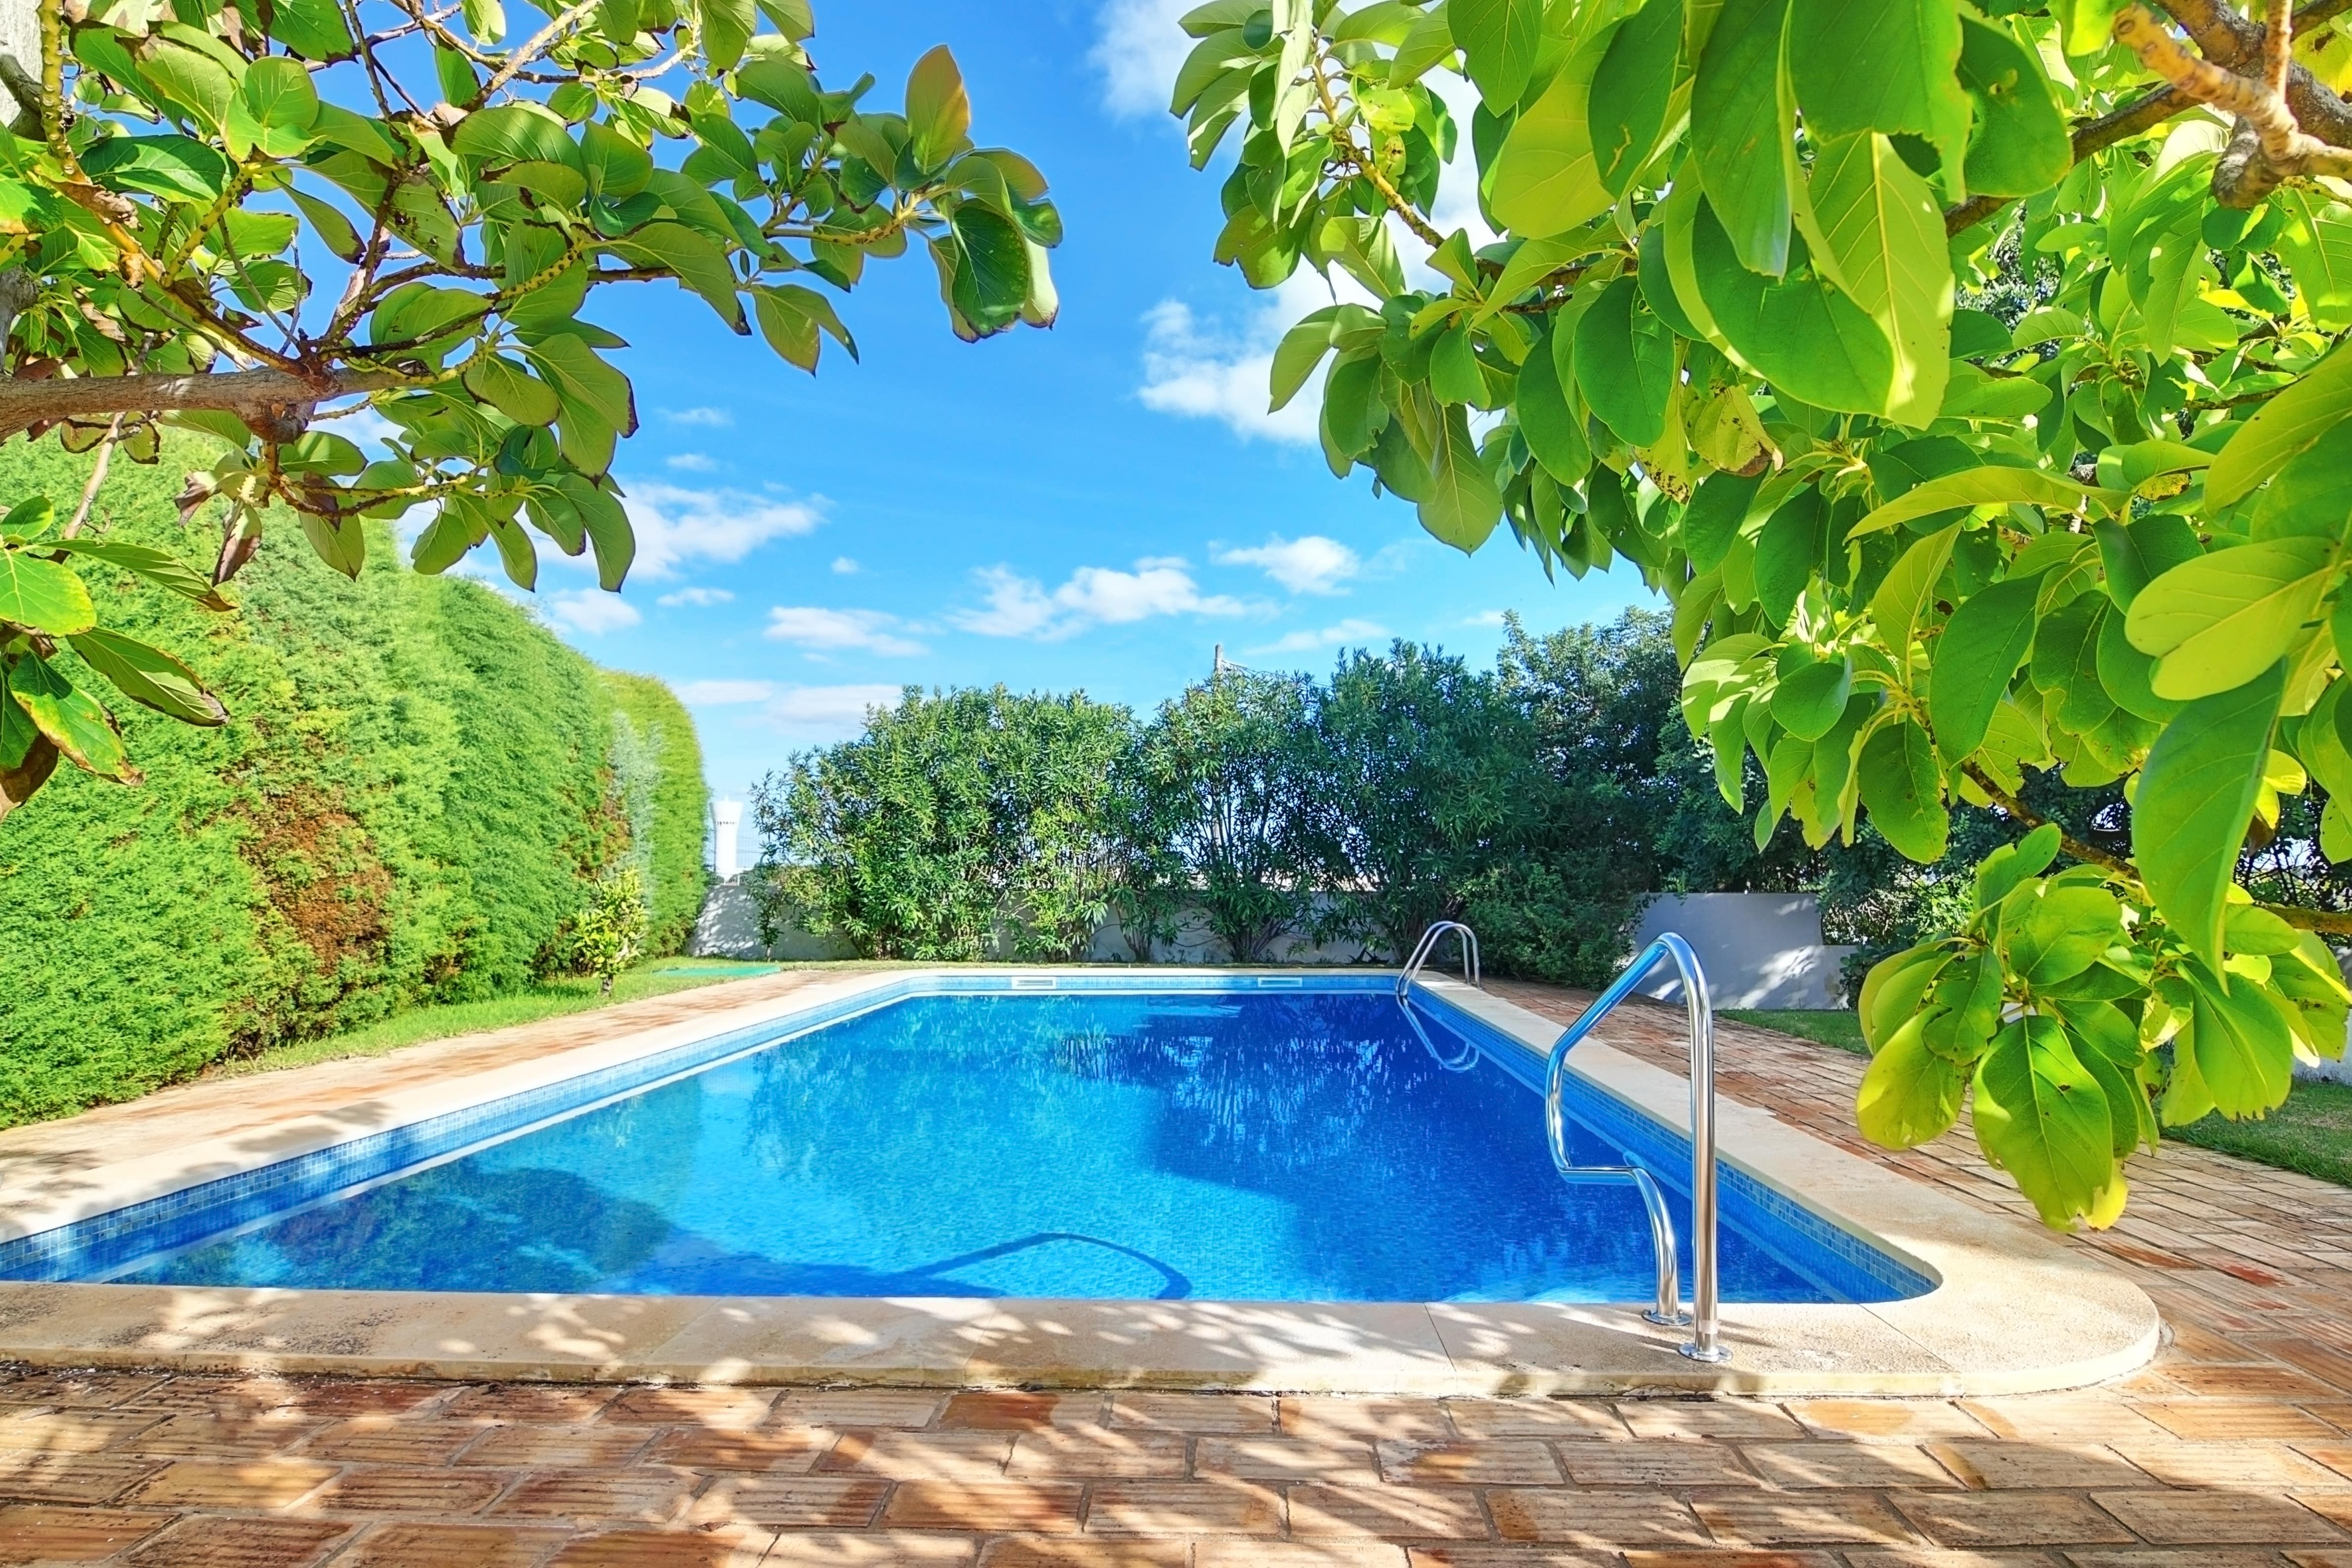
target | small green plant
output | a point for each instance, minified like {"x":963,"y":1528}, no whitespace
{"x":609,"y":934}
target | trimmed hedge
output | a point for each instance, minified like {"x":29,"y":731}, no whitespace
{"x":417,"y":784}
{"x":669,"y":834}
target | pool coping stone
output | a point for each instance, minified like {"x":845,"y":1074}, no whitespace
{"x":2014,"y":1309}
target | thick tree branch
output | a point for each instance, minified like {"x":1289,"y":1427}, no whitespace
{"x":2285,"y":146}
{"x":271,"y":396}
{"x":2318,"y":109}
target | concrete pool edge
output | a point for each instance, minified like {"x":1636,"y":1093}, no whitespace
{"x":2015,"y":1311}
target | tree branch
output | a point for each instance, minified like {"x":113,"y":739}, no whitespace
{"x":2089,"y":853}
{"x":2316,"y":106}
{"x":270,"y":397}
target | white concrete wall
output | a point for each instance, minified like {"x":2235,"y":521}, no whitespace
{"x":1759,"y":950}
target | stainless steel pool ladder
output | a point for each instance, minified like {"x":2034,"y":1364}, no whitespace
{"x":1705,"y":1343}
{"x":1427,"y":949}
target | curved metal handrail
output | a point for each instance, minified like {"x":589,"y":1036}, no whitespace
{"x":1463,"y":1063}
{"x":1707,"y":1329}
{"x":1426,"y":948}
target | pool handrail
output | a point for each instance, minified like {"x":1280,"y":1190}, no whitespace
{"x":1427,"y":949}
{"x":1463,"y":1063}
{"x":1706,"y":1326}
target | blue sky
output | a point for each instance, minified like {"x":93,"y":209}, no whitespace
{"x":1094,"y":507}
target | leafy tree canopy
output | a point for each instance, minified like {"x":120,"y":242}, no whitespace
{"x":245,"y":217}
{"x":1969,"y":379}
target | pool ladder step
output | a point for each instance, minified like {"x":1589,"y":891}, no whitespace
{"x":1705,"y":1343}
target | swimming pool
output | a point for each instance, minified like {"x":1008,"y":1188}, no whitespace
{"x":1237,"y":1142}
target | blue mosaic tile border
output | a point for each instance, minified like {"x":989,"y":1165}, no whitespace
{"x":1834,"y":1260}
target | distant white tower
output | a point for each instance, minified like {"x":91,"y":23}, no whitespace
{"x":726,"y":823}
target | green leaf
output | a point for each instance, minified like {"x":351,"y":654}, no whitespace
{"x":1625,"y":364}
{"x":512,"y":391}
{"x":992,"y":278}
{"x":1881,"y":65}
{"x":697,"y":262}
{"x":1909,"y":1096}
{"x":1715,"y":513}
{"x":1544,"y":179}
{"x":159,"y":567}
{"x":938,"y":111}
{"x":2042,"y":1116}
{"x":2009,"y":866}
{"x":1736,"y":134}
{"x":72,"y":720}
{"x":1499,"y":39}
{"x":43,"y":596}
{"x":334,"y":230}
{"x":573,"y":368}
{"x":515,"y":555}
{"x":2195,"y":797}
{"x":2316,"y":245}
{"x":1554,"y":432}
{"x":1885,"y":235}
{"x":516,"y":133}
{"x":1904,"y":789}
{"x":340,"y":542}
{"x":1811,"y":699}
{"x":1904,"y":592}
{"x":273,"y":111}
{"x":2244,"y":1053}
{"x":1631,"y":92}
{"x":150,"y":675}
{"x":2020,"y":145}
{"x":1893,"y":990}
{"x":177,"y":168}
{"x":1463,"y":505}
{"x":609,"y":535}
{"x":1810,"y":340}
{"x":2221,"y":619}
{"x":2287,"y":425}
{"x":1982,"y":644}
{"x":2059,"y":934}
{"x":191,"y":79}
{"x":1993,"y":485}
{"x":726,"y":29}
{"x":313,"y":29}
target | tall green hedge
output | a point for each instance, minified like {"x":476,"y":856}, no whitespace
{"x":669,"y":828}
{"x":417,"y":784}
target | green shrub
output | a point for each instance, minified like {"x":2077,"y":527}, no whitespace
{"x":959,"y":823}
{"x":669,"y":841}
{"x":409,"y":802}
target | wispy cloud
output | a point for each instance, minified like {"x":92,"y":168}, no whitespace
{"x":846,"y":567}
{"x":708,"y":418}
{"x":724,"y":693}
{"x":1201,"y":369}
{"x":675,"y":525}
{"x":1021,"y":607}
{"x":700,"y":598}
{"x":1349,"y":631}
{"x":591,"y":612}
{"x":837,"y":631}
{"x":1139,"y":49}
{"x":816,"y":715}
{"x":1484,"y":618}
{"x":689,"y":463}
{"x":1310,"y":566}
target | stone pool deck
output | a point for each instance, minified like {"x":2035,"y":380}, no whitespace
{"x":2234,"y":1450}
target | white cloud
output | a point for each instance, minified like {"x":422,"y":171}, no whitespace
{"x":814,"y":715}
{"x":708,"y":418}
{"x":1020,"y":606}
{"x":1205,"y":370}
{"x":831,"y":631}
{"x":1485,"y":618}
{"x":675,"y":525}
{"x":1348,"y":631}
{"x":1313,"y":565}
{"x":591,"y":611}
{"x":700,"y":598}
{"x":724,"y":693}
{"x":844,"y":566}
{"x":1139,"y":51}
{"x":689,"y":463}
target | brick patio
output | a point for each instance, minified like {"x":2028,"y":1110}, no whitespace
{"x":2234,"y":1450}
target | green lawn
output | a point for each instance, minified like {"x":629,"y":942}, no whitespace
{"x":1841,"y":1027}
{"x":2312,"y":1132}
{"x":550,"y":1000}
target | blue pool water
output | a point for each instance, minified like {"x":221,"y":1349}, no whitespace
{"x":1243,"y":1146}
